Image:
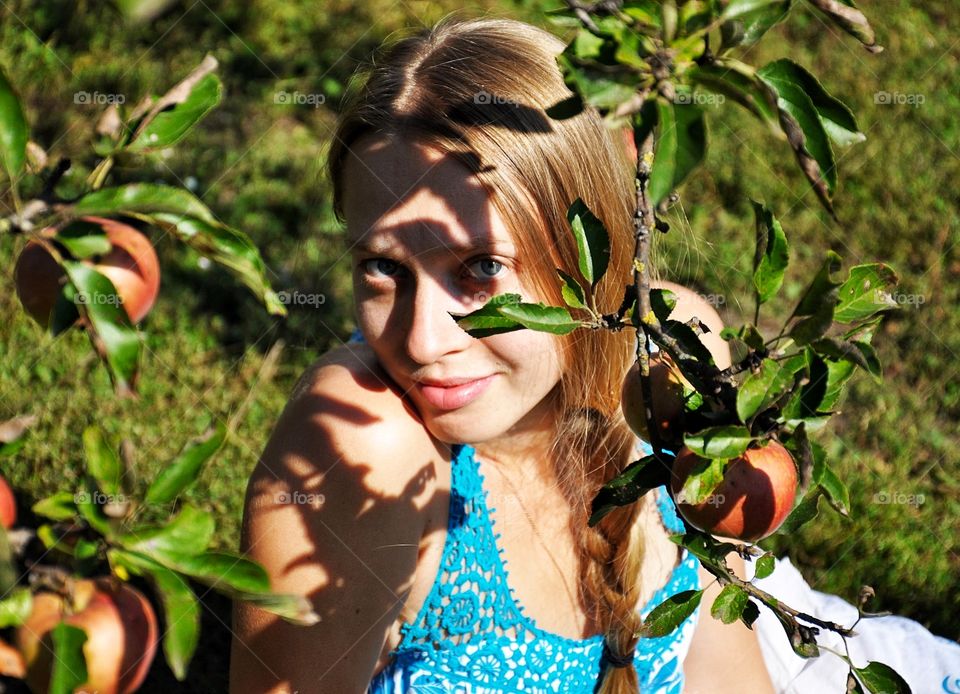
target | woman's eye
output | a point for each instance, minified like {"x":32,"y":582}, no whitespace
{"x":380,"y":265}
{"x":489,"y":268}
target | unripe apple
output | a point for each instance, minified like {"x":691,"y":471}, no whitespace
{"x":8,"y":504}
{"x":121,"y":632}
{"x":754,"y":498}
{"x":131,"y":264}
{"x":666,"y":384}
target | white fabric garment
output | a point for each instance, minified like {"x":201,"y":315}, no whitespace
{"x":930,"y":664}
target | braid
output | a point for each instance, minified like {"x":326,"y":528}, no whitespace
{"x":611,"y":552}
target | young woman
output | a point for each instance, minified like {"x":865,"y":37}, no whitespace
{"x":427,"y":490}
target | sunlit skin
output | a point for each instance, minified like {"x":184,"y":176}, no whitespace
{"x":425,"y":241}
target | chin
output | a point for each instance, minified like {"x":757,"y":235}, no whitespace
{"x":460,"y":427}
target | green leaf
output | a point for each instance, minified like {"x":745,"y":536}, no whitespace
{"x":818,"y":303}
{"x":835,"y":489}
{"x":15,"y":607}
{"x":803,"y":127}
{"x":864,"y":292}
{"x":838,"y":373}
{"x":183,"y":471}
{"x":149,"y":198}
{"x":870,"y":356}
{"x":837,"y":119}
{"x":845,"y":15}
{"x":228,"y":247}
{"x":90,"y":510}
{"x":170,"y":125}
{"x":593,"y":242}
{"x":802,"y":513}
{"x":190,"y":532}
{"x":181,"y":611}
{"x":756,"y":16}
{"x":110,"y":329}
{"x":662,"y":301}
{"x":703,"y":479}
{"x":571,"y":290}
{"x":103,"y":463}
{"x":638,"y":478}
{"x":69,"y":664}
{"x":761,"y":389}
{"x":688,"y":339}
{"x":61,"y":506}
{"x":807,"y":401}
{"x":550,"y":319}
{"x":704,"y":547}
{"x":13,"y":131}
{"x":750,"y":614}
{"x":765,"y":565}
{"x":221,"y":570}
{"x":9,"y":571}
{"x":487,"y":320}
{"x":83,"y":239}
{"x":671,"y":613}
{"x":724,"y":441}
{"x":729,"y":604}
{"x":679,"y":148}
{"x":293,"y":608}
{"x":772,"y":254}
{"x":739,"y":82}
{"x":881,"y":679}
{"x":598,"y":88}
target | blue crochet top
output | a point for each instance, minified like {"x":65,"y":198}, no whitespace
{"x":471,"y":636}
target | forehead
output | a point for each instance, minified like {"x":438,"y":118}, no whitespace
{"x":401,"y":194}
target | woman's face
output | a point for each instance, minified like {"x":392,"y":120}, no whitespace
{"x":425,"y":241}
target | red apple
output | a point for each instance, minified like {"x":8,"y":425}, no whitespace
{"x":121,"y":632}
{"x":131,"y":264}
{"x":666,"y":383}
{"x":754,"y":498}
{"x":8,"y":505}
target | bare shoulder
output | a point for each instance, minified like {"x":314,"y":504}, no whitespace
{"x":335,"y":510}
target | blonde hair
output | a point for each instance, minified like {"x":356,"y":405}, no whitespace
{"x":477,"y":90}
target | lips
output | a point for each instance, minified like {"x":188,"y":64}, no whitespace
{"x":457,"y":392}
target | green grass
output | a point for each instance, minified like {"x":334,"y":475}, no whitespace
{"x":258,"y":166}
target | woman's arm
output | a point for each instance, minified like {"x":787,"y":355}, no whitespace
{"x":329,"y":517}
{"x":723,"y":658}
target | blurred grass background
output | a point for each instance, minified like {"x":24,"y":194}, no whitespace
{"x":258,"y":165}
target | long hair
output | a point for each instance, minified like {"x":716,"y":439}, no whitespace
{"x":477,"y":90}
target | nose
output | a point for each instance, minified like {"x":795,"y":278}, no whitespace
{"x":432,"y":332}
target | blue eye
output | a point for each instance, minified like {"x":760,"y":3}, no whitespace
{"x":488,"y":265}
{"x":380,"y":263}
